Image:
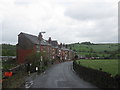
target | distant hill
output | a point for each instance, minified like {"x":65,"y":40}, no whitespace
{"x":87,"y":49}
{"x":8,"y":50}
{"x":96,"y":50}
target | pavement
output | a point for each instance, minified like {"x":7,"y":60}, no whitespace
{"x":57,"y":76}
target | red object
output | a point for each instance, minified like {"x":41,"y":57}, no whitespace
{"x":8,"y":74}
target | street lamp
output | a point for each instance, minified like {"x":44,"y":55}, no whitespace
{"x":40,"y":38}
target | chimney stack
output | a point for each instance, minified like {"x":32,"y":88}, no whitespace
{"x":61,"y":45}
{"x":40,"y":37}
{"x":49,"y":40}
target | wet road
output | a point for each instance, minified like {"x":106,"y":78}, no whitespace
{"x":60,"y":76}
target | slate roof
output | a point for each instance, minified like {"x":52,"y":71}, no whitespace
{"x":34,"y":39}
{"x":44,"y":42}
{"x":54,"y":43}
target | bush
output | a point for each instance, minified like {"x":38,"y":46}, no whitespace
{"x":35,"y":60}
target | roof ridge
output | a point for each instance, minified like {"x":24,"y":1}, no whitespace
{"x":29,"y":34}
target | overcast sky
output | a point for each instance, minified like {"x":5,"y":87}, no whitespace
{"x":67,"y":21}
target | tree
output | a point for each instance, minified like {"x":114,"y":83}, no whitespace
{"x":34,"y":59}
{"x":87,"y":43}
{"x":8,"y":50}
{"x":70,"y":48}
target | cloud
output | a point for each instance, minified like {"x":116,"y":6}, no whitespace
{"x":91,"y":11}
{"x":100,"y":18}
{"x":64,"y":20}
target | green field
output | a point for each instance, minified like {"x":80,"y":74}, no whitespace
{"x":110,"y":66}
{"x":95,"y":47}
{"x":96,"y":50}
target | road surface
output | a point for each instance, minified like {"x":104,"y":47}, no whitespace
{"x":60,"y":76}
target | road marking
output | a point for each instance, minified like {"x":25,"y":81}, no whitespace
{"x":28,"y":84}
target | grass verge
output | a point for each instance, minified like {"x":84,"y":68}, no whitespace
{"x":109,"y":66}
{"x":15,"y":81}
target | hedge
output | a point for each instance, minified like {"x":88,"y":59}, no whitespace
{"x":97,"y":77}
